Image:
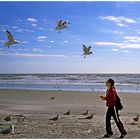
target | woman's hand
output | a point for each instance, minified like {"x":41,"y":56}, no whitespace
{"x":102,"y":97}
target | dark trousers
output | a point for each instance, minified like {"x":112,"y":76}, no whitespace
{"x":113,"y":112}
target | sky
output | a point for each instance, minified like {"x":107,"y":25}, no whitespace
{"x":112,"y":29}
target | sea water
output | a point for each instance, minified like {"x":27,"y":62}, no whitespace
{"x":70,"y":82}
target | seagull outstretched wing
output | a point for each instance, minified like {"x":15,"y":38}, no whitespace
{"x":10,"y":36}
{"x":65,"y":22}
{"x":85,"y":49}
{"x":89,"y":48}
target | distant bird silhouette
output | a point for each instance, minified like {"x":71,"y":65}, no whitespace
{"x":136,"y":118}
{"x":7,"y":130}
{"x":54,"y":119}
{"x":11,"y":40}
{"x":85,"y":113}
{"x":61,"y":25}
{"x":86,"y":51}
{"x":67,"y":113}
{"x":8,"y":118}
{"x":88,"y":117}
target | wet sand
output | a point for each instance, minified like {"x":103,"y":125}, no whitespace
{"x":38,"y":108}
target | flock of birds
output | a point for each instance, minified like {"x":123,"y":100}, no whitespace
{"x":88,"y":116}
{"x":59,"y":26}
{"x":11,"y":128}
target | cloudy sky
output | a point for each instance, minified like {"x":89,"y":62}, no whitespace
{"x":111,"y":28}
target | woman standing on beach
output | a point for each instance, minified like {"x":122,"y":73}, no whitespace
{"x":112,"y":111}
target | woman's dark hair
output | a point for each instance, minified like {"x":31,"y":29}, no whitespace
{"x":112,"y":82}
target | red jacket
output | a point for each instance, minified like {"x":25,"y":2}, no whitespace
{"x":110,"y":97}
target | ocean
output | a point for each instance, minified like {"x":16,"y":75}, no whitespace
{"x":70,"y":82}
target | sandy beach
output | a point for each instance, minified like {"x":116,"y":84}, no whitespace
{"x":39,"y":106}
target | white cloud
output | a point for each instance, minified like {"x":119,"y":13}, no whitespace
{"x":115,"y":50}
{"x":17,"y":54}
{"x":65,"y":41}
{"x":133,"y":46}
{"x":52,"y":41}
{"x":125,"y":51}
{"x":22,"y":42}
{"x":120,"y":21}
{"x":23,"y":30}
{"x":22,"y":49}
{"x":32,"y":19}
{"x":41,"y":38}
{"x":19,"y":30}
{"x":32,"y":55}
{"x":108,"y":44}
{"x":134,"y":39}
{"x":14,"y":27}
{"x":34,"y":25}
{"x":122,"y":25}
{"x":40,"y":28}
{"x":120,"y":45}
{"x":37,"y":50}
{"x":2,"y":41}
{"x":118,"y":32}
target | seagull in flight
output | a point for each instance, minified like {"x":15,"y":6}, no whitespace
{"x":11,"y":40}
{"x":61,"y":25}
{"x":86,"y":50}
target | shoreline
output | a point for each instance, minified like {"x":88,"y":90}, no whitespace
{"x":75,"y":91}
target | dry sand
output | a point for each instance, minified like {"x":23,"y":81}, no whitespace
{"x":38,"y":107}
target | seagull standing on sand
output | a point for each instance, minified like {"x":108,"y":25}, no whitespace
{"x":85,"y":113}
{"x":86,"y":51}
{"x":54,"y":119}
{"x":67,"y":113}
{"x":8,"y":118}
{"x":52,"y":97}
{"x":7,"y":130}
{"x":11,"y":39}
{"x":88,"y":117}
{"x":61,"y":25}
{"x":136,"y":119}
